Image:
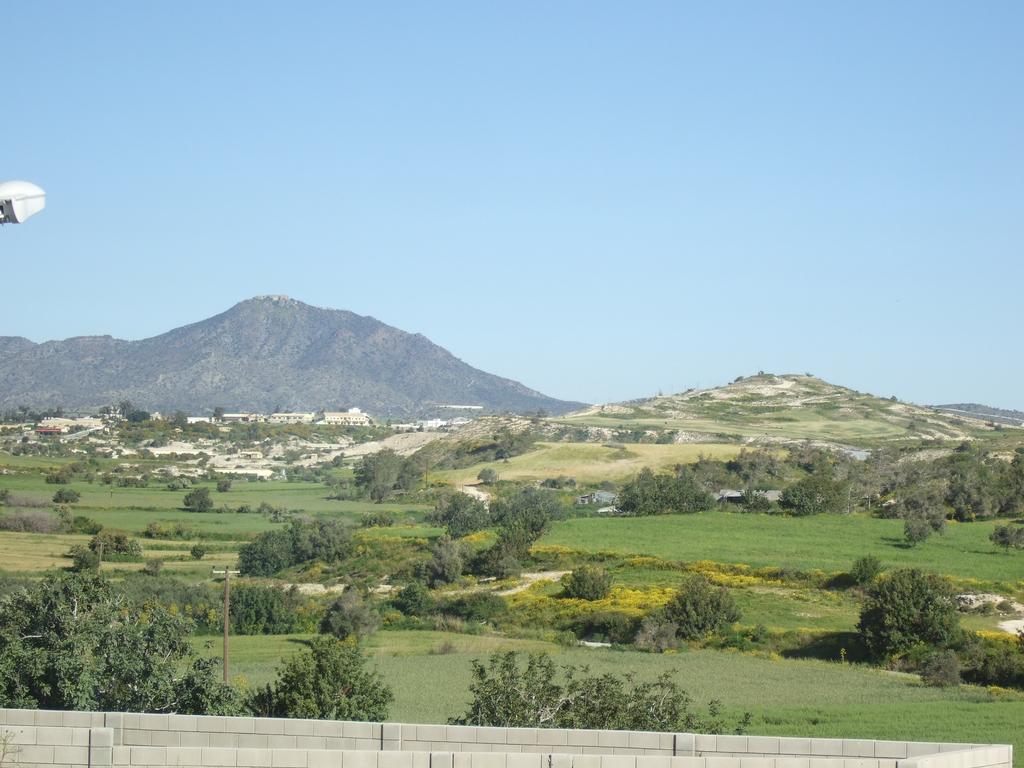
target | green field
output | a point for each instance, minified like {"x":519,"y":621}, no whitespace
{"x":786,"y":697}
{"x":825,"y":542}
{"x":591,"y":462}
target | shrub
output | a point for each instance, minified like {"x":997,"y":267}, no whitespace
{"x":66,"y":496}
{"x":657,"y":634}
{"x":263,"y":610}
{"x":84,"y":559}
{"x":223,"y":486}
{"x":446,"y":564}
{"x":349,"y":616}
{"x":700,"y":608}
{"x":413,"y":600}
{"x":907,"y":608}
{"x":539,"y":694}
{"x":328,"y":682}
{"x":114,"y":545}
{"x":917,"y":530}
{"x":477,"y":606}
{"x":29,"y":521}
{"x":1008,"y":537}
{"x":611,"y":626}
{"x":379,"y":519}
{"x":198,"y":551}
{"x":941,"y":670}
{"x":588,"y":582}
{"x":814,"y":495}
{"x":153,"y":567}
{"x":487,"y":476}
{"x":82,"y":524}
{"x":460,"y":515}
{"x":198,"y":500}
{"x":865,"y":570}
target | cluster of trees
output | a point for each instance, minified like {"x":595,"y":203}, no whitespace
{"x":301,"y":541}
{"x":651,"y":493}
{"x":380,"y":475}
{"x":539,"y":694}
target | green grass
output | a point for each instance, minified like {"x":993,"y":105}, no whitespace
{"x":826,"y":542}
{"x":794,"y":697}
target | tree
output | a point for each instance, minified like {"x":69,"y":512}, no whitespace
{"x":73,"y":642}
{"x":700,"y":608}
{"x":1008,"y":537}
{"x":538,"y":694}
{"x":658,"y":494}
{"x":941,"y":669}
{"x":381,"y":474}
{"x":302,"y":541}
{"x":413,"y":600}
{"x":460,"y":514}
{"x":223,"y":486}
{"x":487,"y":476}
{"x":262,"y":610}
{"x":817,"y":494}
{"x":66,"y":496}
{"x":907,"y":608}
{"x":265,"y":555}
{"x":446,"y":564}
{"x":198,"y":500}
{"x":330,"y":681}
{"x":916,"y":530}
{"x":588,"y":582}
{"x":349,"y":616}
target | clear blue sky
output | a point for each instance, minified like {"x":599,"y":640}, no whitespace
{"x":599,"y":199}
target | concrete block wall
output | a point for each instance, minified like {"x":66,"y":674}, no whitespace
{"x":71,"y":739}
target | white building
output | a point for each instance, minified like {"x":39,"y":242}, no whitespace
{"x":292,"y":418}
{"x":353,"y":417}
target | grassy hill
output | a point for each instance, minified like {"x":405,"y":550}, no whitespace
{"x":782,"y":408}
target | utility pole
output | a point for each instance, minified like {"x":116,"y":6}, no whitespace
{"x":226,"y":573}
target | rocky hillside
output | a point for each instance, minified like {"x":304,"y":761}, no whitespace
{"x":264,"y":354}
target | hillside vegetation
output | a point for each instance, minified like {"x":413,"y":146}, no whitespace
{"x":781,"y":408}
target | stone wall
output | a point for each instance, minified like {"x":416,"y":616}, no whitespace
{"x":49,"y":739}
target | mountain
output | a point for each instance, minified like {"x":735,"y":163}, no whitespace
{"x":781,"y":408}
{"x":267,"y":353}
{"x":985,"y":412}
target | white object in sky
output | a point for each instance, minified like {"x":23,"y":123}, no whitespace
{"x":19,"y":200}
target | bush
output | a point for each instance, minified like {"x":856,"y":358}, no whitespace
{"x":941,"y":670}
{"x":153,"y":567}
{"x":198,"y":551}
{"x":302,"y":541}
{"x":865,"y":570}
{"x":349,"y":616}
{"x":539,"y":694}
{"x":917,"y":530}
{"x":657,"y":634}
{"x":908,"y":608}
{"x":86,"y":525}
{"x":413,"y":600}
{"x":29,"y":521}
{"x":587,"y":582}
{"x":487,"y":476}
{"x":84,"y":559}
{"x":223,"y":486}
{"x":114,"y":545}
{"x":446,"y":564}
{"x":198,"y":500}
{"x":262,"y":610}
{"x":476,"y":607}
{"x":1008,"y":537}
{"x":66,"y":496}
{"x":658,"y":494}
{"x":379,"y":519}
{"x":700,"y":608}
{"x":328,"y":682}
{"x":609,"y":626}
{"x":460,"y":515}
{"x":814,"y":495}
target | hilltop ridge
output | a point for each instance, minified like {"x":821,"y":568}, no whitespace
{"x":773,"y":407}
